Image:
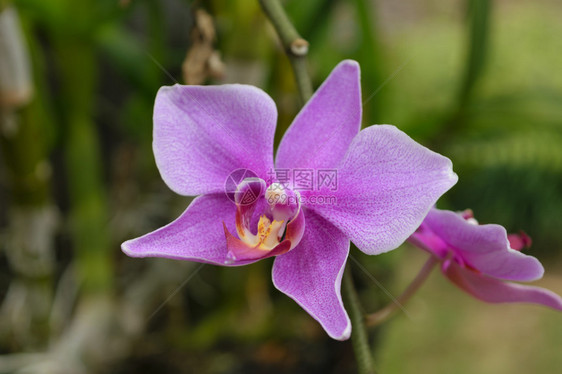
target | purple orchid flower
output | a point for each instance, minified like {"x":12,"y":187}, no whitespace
{"x":479,"y":259}
{"x":386,"y":184}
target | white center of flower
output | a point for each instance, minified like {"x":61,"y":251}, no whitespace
{"x":276,"y":194}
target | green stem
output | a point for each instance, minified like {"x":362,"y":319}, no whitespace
{"x":479,"y":26}
{"x":478,"y":29}
{"x":89,"y":209}
{"x":359,"y":336}
{"x":295,"y":46}
{"x":383,"y":314}
{"x":368,"y":54}
{"x":28,"y":237}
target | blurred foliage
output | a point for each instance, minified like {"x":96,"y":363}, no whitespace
{"x":476,"y":80}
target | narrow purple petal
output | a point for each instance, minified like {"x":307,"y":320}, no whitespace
{"x":386,"y":185}
{"x":311,"y":274}
{"x":197,"y":235}
{"x":202,"y":134}
{"x":484,"y":247}
{"x":495,"y":291}
{"x":323,"y":130}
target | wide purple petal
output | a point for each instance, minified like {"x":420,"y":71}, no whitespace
{"x":386,"y":184}
{"x":197,"y":235}
{"x":202,"y":134}
{"x":484,"y":247}
{"x":311,"y":274}
{"x":323,"y":130}
{"x":495,"y":291}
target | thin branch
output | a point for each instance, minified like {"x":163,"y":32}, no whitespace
{"x":383,"y":314}
{"x":295,"y":46}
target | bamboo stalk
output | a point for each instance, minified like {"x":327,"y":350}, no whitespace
{"x":32,"y":218}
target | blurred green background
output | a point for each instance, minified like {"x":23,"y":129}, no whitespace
{"x":479,"y":81}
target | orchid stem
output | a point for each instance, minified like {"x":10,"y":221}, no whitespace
{"x":295,"y":46}
{"x":388,"y":311}
{"x":359,"y":337}
{"x":479,"y":13}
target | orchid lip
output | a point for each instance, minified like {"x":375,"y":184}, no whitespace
{"x":280,"y":221}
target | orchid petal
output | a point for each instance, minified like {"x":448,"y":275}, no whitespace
{"x":311,"y":274}
{"x":202,"y":134}
{"x":484,"y":247}
{"x":197,"y":235}
{"x":426,"y":239}
{"x":295,"y":229}
{"x":495,"y":291}
{"x":386,"y":185}
{"x":323,"y":130}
